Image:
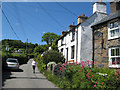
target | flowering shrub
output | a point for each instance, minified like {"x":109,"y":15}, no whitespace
{"x":78,"y":76}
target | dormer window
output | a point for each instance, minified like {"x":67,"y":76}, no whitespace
{"x":113,"y":30}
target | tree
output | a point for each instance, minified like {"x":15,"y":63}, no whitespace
{"x":49,"y":37}
{"x":53,"y":56}
{"x":54,"y":44}
{"x":40,"y":48}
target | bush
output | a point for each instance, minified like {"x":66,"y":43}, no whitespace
{"x":30,"y":56}
{"x":77,"y":76}
{"x":57,"y":70}
{"x":40,"y":64}
{"x":52,"y":56}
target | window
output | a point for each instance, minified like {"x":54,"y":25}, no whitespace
{"x":113,"y":30}
{"x":72,"y":52}
{"x":62,"y":50}
{"x":113,"y":24}
{"x":114,"y":56}
{"x":73,"y":35}
{"x":61,"y":41}
{"x":114,"y":33}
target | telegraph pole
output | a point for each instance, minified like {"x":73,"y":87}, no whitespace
{"x":26,"y":45}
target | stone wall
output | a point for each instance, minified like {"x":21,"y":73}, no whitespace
{"x":102,"y":45}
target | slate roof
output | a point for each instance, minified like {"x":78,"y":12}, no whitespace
{"x":108,"y":18}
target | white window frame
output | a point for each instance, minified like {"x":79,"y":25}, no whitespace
{"x":110,"y":61}
{"x":111,"y":29}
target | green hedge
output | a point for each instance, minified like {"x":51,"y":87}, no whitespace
{"x":22,"y":59}
{"x":41,"y":66}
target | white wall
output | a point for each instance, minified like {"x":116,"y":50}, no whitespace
{"x":85,"y":42}
{"x":99,"y":8}
{"x":67,"y":41}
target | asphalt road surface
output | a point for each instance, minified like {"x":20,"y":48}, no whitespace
{"x":25,"y":78}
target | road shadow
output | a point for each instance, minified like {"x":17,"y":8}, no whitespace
{"x":6,"y":73}
{"x":25,"y":78}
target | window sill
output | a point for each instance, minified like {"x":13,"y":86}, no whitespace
{"x":113,"y":38}
{"x":114,"y":66}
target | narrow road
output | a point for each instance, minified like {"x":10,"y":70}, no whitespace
{"x":26,"y":79}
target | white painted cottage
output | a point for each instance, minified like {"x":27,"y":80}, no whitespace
{"x":76,"y":43}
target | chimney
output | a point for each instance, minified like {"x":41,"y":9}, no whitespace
{"x":71,"y":26}
{"x":64,"y":32}
{"x":114,"y":6}
{"x":81,"y":19}
{"x":99,"y":7}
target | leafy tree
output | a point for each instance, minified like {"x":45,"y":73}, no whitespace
{"x":40,"y":49}
{"x":54,"y":44}
{"x":49,"y":37}
{"x":52,"y":55}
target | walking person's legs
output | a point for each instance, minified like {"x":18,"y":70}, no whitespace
{"x":33,"y":69}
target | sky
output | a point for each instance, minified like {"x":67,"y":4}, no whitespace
{"x":32,"y":19}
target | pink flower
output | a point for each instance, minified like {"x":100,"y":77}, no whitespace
{"x":65,"y":68}
{"x":117,"y":74}
{"x":117,"y":71}
{"x":101,"y":86}
{"x":64,"y":64}
{"x":116,"y":61}
{"x":87,"y":62}
{"x":82,"y":64}
{"x":92,"y":76}
{"x":94,"y":85}
{"x":88,"y":73}
{"x":91,"y":62}
{"x":119,"y":78}
{"x":102,"y":83}
{"x":75,"y":62}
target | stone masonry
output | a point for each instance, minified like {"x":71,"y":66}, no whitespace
{"x":102,"y":45}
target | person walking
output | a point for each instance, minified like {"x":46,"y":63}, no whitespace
{"x":34,"y":63}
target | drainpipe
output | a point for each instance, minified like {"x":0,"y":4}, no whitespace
{"x":76,"y":44}
{"x":93,"y":46}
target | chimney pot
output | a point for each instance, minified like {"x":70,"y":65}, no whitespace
{"x":73,"y":23}
{"x":83,"y":14}
{"x":81,"y":19}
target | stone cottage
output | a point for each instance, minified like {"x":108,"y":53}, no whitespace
{"x":106,"y":39}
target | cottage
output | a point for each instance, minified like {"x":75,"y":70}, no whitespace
{"x":76,"y":43}
{"x":106,"y":39}
{"x":85,"y":41}
{"x":67,"y":43}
